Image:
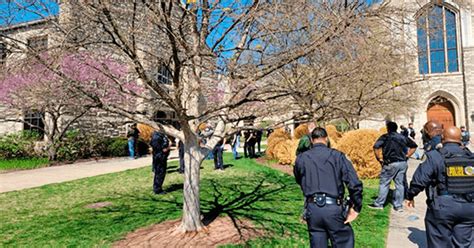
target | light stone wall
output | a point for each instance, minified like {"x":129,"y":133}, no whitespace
{"x":448,"y":85}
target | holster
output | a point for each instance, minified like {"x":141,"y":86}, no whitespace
{"x":346,"y":206}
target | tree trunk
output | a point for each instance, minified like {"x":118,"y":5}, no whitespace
{"x":52,"y":151}
{"x":193,"y":158}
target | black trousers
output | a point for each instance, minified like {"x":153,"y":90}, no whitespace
{"x":449,"y":221}
{"x":251,"y":150}
{"x":218,"y":160}
{"x":328,"y":223}
{"x":246,"y":149}
{"x":159,"y":167}
{"x":181,"y":159}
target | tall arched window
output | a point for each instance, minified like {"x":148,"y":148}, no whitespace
{"x":437,"y":40}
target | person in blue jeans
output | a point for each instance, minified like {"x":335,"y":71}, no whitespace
{"x":132,"y":136}
{"x":392,"y":146}
{"x":235,"y":145}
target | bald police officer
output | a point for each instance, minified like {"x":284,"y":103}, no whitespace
{"x":451,"y":168}
{"x":322,"y":173}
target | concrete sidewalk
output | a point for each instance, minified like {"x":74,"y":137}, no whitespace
{"x":24,"y":179}
{"x":407,"y":229}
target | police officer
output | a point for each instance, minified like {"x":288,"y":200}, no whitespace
{"x":451,"y":220}
{"x":161,"y":149}
{"x":322,"y":173}
{"x":181,"y":156}
{"x":432,"y":131}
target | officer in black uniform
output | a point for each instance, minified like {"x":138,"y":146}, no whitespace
{"x":322,"y":173}
{"x":451,"y":219}
{"x":161,"y":149}
{"x":181,"y":156}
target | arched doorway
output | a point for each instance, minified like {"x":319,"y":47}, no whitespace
{"x":442,"y":110}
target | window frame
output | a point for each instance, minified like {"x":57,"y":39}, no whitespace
{"x":164,"y":75}
{"x":424,"y":14}
{"x":34,"y":121}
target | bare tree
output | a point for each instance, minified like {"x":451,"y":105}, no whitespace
{"x":208,"y":61}
{"x":363,"y":74}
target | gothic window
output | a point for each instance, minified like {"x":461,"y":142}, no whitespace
{"x":437,"y":40}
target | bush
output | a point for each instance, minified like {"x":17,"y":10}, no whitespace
{"x":18,"y":145}
{"x":77,"y":145}
{"x":358,"y":146}
{"x":116,"y":147}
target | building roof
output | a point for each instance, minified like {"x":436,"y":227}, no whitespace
{"x":15,"y":27}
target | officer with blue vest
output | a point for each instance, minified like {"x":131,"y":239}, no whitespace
{"x":451,"y":169}
{"x":323,"y":173}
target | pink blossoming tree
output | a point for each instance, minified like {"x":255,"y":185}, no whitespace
{"x":63,"y":91}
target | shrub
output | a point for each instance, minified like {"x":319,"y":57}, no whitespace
{"x":18,"y":145}
{"x":358,"y":146}
{"x":116,"y":147}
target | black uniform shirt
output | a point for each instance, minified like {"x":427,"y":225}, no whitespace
{"x":393,"y":147}
{"x":325,"y":170}
{"x":158,"y":142}
{"x":432,"y":170}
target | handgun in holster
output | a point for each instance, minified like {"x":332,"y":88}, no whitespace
{"x":346,"y":206}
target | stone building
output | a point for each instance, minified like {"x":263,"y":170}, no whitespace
{"x":442,"y":36}
{"x":42,"y":35}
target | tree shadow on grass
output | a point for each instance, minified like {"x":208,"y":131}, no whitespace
{"x":270,"y":203}
{"x":259,"y":200}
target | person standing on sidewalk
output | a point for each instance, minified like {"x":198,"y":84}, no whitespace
{"x":132,"y":135}
{"x":392,"y":146}
{"x":449,"y":219}
{"x":161,"y":149}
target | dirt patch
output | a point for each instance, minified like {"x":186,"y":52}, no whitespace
{"x":219,"y":232}
{"x":283,"y":168}
{"x":99,"y":205}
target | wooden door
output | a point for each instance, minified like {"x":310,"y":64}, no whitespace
{"x":441,"y":110}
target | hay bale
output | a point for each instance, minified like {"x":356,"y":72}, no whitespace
{"x":285,"y":151}
{"x":278,"y":136}
{"x":334,"y":135}
{"x":301,"y":131}
{"x":145,"y":131}
{"x":357,"y":145}
{"x":383,"y":130}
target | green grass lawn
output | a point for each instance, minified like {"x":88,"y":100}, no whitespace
{"x":22,"y":164}
{"x":55,"y":215}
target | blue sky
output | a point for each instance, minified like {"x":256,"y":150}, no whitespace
{"x":18,"y":11}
